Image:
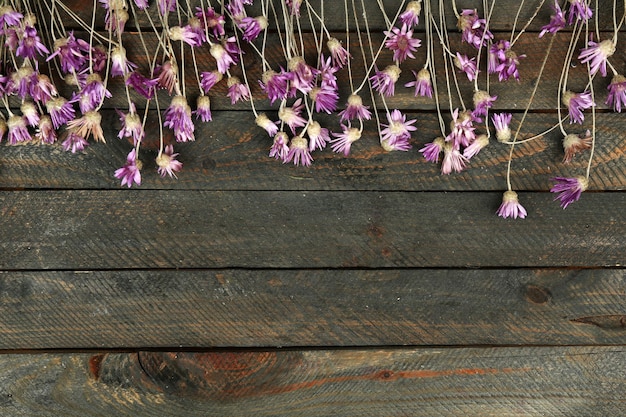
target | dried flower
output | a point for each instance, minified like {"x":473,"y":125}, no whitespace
{"x":573,"y":144}
{"x":557,"y":21}
{"x":510,"y":206}
{"x":87,"y":125}
{"x":339,"y":55}
{"x":401,"y":42}
{"x":501,"y":122}
{"x":596,"y":54}
{"x":423,"y":85}
{"x":130,"y":173}
{"x":411,"y":14}
{"x":280,"y":149}
{"x":291,"y":115}
{"x":265,"y":123}
{"x":576,"y":103}
{"x":167,"y":163}
{"x":476,"y":146}
{"x":467,"y":65}
{"x":384,"y":81}
{"x":569,"y":189}
{"x":617,"y":93}
{"x":343,"y":141}
{"x":473,"y":28}
{"x":453,"y":160}
{"x":432,"y":150}
{"x":318,"y":136}
{"x":355,"y":109}
{"x":299,"y":152}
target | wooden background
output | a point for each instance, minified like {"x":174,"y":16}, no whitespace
{"x":362,"y":286}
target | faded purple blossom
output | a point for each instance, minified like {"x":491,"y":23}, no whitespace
{"x":572,"y":144}
{"x":303,"y":74}
{"x":398,"y":128}
{"x":203,"y":108}
{"x":167,"y":163}
{"x":569,"y":189}
{"x":617,"y":93}
{"x":30,"y":44}
{"x":60,"y":110}
{"x":402,"y":43}
{"x":17,"y":130}
{"x":557,"y":21}
{"x":185,"y":34}
{"x":213,"y":22}
{"x":291,"y":116}
{"x":43,"y":90}
{"x":462,"y":129}
{"x":467,"y":65}
{"x":432,"y":150}
{"x":46,"y":134}
{"x":501,"y":123}
{"x":130,"y":173}
{"x":318,"y":136}
{"x":209,"y":79}
{"x":90,"y":124}
{"x":9,"y":17}
{"x":237,"y":91}
{"x":30,"y":113}
{"x":223,"y":59}
{"x":265,"y":123}
{"x":453,"y":160}
{"x":167,"y":77}
{"x":411,"y":14}
{"x":597,"y":54}
{"x":384,"y":81}
{"x":74,"y":142}
{"x":325,"y":98}
{"x":71,"y":53}
{"x":299,"y":152}
{"x":132,"y":127}
{"x":120,"y":65}
{"x":275,"y":84}
{"x":252,"y":27}
{"x":476,"y":146}
{"x":578,"y":10}
{"x":92,"y":95}
{"x":576,"y":103}
{"x":146,"y":87}
{"x":339,"y":55}
{"x":355,"y":109}
{"x":327,"y":72}
{"x":510,"y":206}
{"x":423,"y":85}
{"x":343,"y":141}
{"x":482,"y":102}
{"x":280,"y":148}
{"x":178,"y":118}
{"x":473,"y":29}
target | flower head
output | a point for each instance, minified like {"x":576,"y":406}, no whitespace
{"x":318,"y":136}
{"x":325,"y":98}
{"x":142,"y":85}
{"x":569,"y":189}
{"x":120,"y":65}
{"x":338,"y":54}
{"x":453,"y":160}
{"x":60,"y":110}
{"x":291,"y":115}
{"x":299,"y":152}
{"x":573,"y":144}
{"x":355,"y":109}
{"x":213,"y":22}
{"x":17,"y":130}
{"x":203,"y":108}
{"x":423,"y":85}
{"x":303,"y":74}
{"x":223,"y":59}
{"x":467,"y":65}
{"x":167,"y":163}
{"x":237,"y":91}
{"x":617,"y":93}
{"x":398,"y":129}
{"x":30,"y":113}
{"x":280,"y":149}
{"x":265,"y":123}
{"x":209,"y":79}
{"x":130,"y":173}
{"x":168,"y":76}
{"x":476,"y":146}
{"x":432,"y":150}
{"x":30,"y":44}
{"x":45,"y":130}
{"x":597,"y":54}
{"x":578,"y":10}
{"x":343,"y":141}
{"x":131,"y":125}
{"x":411,"y":14}
{"x":401,"y":42}
{"x":576,"y":103}
{"x":384,"y":81}
{"x":501,"y":122}
{"x":87,"y":125}
{"x":462,"y":129}
{"x":557,"y":21}
{"x":178,"y":118}
{"x":74,"y":142}
{"x":510,"y":206}
{"x":474,"y":30}
{"x":482,"y":102}
{"x":275,"y":85}
{"x":252,"y":27}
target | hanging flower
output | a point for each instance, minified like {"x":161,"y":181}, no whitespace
{"x":510,"y":206}
{"x":569,"y":189}
{"x":130,"y":173}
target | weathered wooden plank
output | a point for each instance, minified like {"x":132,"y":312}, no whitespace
{"x":261,"y":308}
{"x":334,"y":15}
{"x":195,"y":229}
{"x":231,"y":153}
{"x":511,"y":94}
{"x":563,"y":381}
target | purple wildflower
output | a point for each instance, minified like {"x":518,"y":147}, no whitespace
{"x":74,"y":142}
{"x":482,"y":102}
{"x":467,"y":65}
{"x":130,"y":173}
{"x":432,"y":150}
{"x":131,"y":125}
{"x":355,"y":109}
{"x":501,"y":122}
{"x":411,"y":14}
{"x":71,"y":53}
{"x":557,"y":21}
{"x":299,"y":152}
{"x":213,"y":22}
{"x":291,"y":115}
{"x":165,"y":7}
{"x":142,"y":85}
{"x":167,"y":163}
{"x":185,"y":34}
{"x":92,"y":95}
{"x":575,"y":104}
{"x":497,"y":54}
{"x":384,"y":81}
{"x":141,"y":4}
{"x":510,"y":206}
{"x":9,"y":17}
{"x":569,"y":189}
{"x":318,"y":136}
{"x":275,"y":84}
{"x":508,"y":66}
{"x":252,"y":27}
{"x":120,"y":65}
{"x":265,"y":123}
{"x":30,"y":113}
{"x":168,"y":76}
{"x":209,"y":79}
{"x":23,"y":80}
{"x":17,"y":130}
{"x":280,"y":149}
{"x":423,"y":85}
{"x":327,"y":72}
{"x":325,"y":98}
{"x":339,"y":55}
{"x":476,"y":146}
{"x":237,"y":91}
{"x":30,"y":44}
{"x":401,"y":42}
{"x":222,"y":57}
{"x":60,"y":110}
{"x":178,"y":118}
{"x":43,"y":90}
{"x":578,"y":10}
{"x":572,"y":144}
{"x":203,"y":108}
{"x":303,"y":74}
{"x":596,"y":54}
{"x":473,"y":28}
{"x":617,"y":93}
{"x":462,"y":129}
{"x":343,"y":141}
{"x":453,"y":160}
{"x":398,"y":128}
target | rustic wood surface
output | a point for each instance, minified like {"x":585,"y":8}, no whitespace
{"x":266,"y":308}
{"x":540,"y":381}
{"x":369,"y":285}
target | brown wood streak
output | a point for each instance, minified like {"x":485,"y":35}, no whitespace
{"x":220,"y":160}
{"x":392,"y":382}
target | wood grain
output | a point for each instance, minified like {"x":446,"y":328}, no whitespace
{"x":231,"y":153}
{"x":562,"y":381}
{"x":194,"y":229}
{"x":265,"y":308}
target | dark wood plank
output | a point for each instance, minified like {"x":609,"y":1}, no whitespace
{"x":564,"y":381}
{"x":194,"y":229}
{"x":511,"y":95}
{"x":231,"y":153}
{"x":243,"y":308}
